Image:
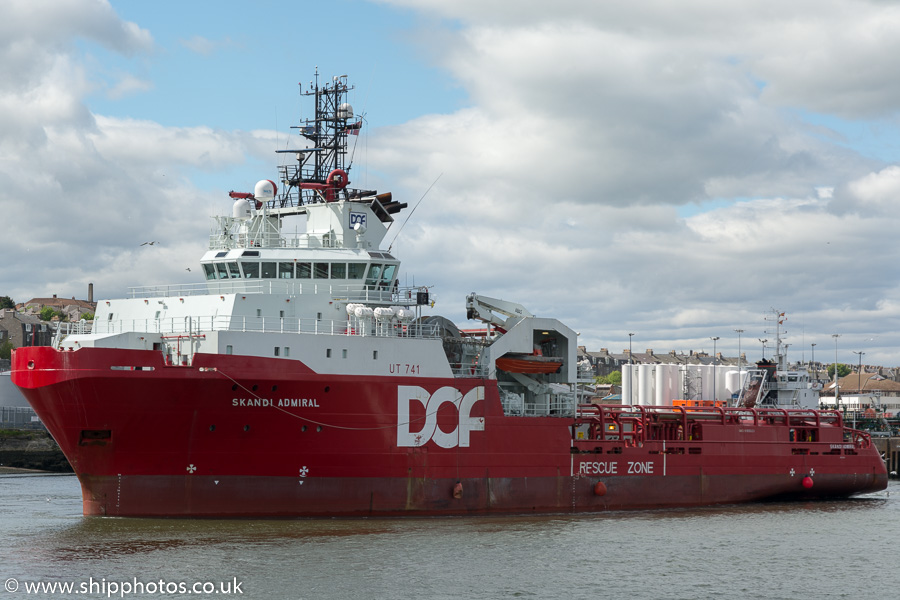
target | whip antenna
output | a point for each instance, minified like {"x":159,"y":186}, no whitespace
{"x":409,"y":216}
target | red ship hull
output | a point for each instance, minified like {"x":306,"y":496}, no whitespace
{"x":236,"y":436}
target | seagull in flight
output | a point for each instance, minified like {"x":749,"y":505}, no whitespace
{"x":149,"y":243}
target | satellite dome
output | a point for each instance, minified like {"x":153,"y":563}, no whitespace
{"x":265,"y":190}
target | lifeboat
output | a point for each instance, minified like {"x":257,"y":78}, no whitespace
{"x":516,"y":362}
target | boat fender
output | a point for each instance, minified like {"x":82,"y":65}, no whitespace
{"x":337,"y":178}
{"x":599,"y":489}
{"x":807,"y":482}
{"x":457,"y":490}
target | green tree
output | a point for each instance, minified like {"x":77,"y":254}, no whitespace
{"x":47,"y":313}
{"x":843,"y":370}
{"x":614,"y":378}
{"x":88,"y":316}
{"x":6,"y":302}
{"x":6,"y":350}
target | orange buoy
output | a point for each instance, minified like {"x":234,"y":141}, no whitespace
{"x":599,"y":489}
{"x":457,"y":490}
{"x":807,"y":482}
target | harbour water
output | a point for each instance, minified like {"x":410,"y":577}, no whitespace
{"x":824,"y":550}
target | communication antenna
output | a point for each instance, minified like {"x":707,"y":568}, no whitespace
{"x":409,"y":216}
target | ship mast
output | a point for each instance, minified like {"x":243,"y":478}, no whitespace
{"x":780,"y":354}
{"x":320,"y":172}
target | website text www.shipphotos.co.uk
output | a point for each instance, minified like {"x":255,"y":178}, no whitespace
{"x":105,"y":588}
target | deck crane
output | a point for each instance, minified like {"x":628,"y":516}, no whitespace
{"x":483,"y":308}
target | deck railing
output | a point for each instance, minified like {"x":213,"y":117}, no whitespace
{"x":200,"y":324}
{"x":352,"y":293}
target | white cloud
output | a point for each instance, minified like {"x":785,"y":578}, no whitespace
{"x":205,"y":46}
{"x":619,"y":115}
{"x":128,"y":85}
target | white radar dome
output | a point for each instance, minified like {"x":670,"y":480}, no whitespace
{"x":241,"y":208}
{"x":345,"y":111}
{"x":265,"y":190}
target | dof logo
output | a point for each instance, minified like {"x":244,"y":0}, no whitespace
{"x":428,"y":429}
{"x":357,"y":218}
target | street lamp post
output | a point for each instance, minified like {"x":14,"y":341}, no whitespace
{"x":764,"y":347}
{"x":836,"y":394}
{"x":812,"y":361}
{"x":714,"y":339}
{"x":740,"y":375}
{"x":630,"y":372}
{"x":858,"y":385}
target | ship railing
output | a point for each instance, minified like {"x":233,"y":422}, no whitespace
{"x":197,"y":325}
{"x":627,"y":422}
{"x":469,"y":369}
{"x":350,"y":293}
{"x":230,"y":241}
{"x":65,"y":328}
{"x":556,"y":404}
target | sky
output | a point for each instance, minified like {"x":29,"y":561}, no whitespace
{"x":673,"y":171}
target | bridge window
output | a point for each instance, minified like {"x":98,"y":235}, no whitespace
{"x":285,"y":270}
{"x":222,"y":270}
{"x":356,"y":270}
{"x":234,"y":272}
{"x":304,"y":270}
{"x":210,"y":271}
{"x":251,"y":270}
{"x":387,"y":276}
{"x":268,"y":270}
{"x":374,"y":275}
{"x":321,"y":270}
{"x":338,"y":270}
